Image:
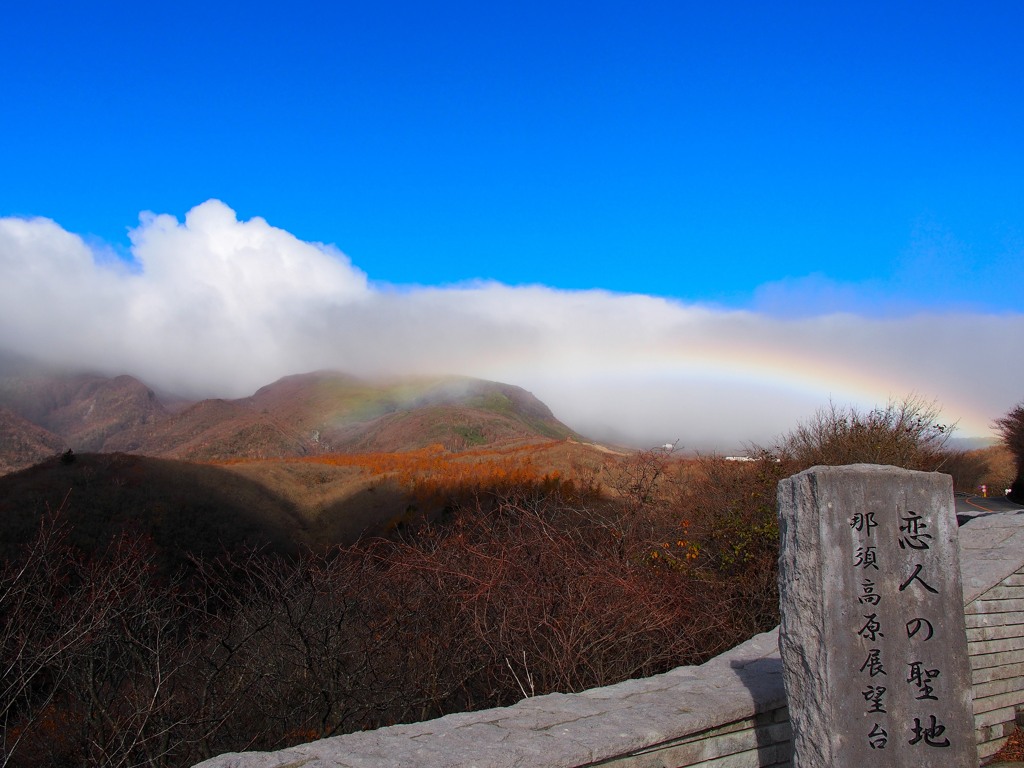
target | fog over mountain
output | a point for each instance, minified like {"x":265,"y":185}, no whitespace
{"x":213,"y":306}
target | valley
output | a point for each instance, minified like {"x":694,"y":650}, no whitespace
{"x":312,"y":460}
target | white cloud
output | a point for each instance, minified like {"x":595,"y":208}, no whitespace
{"x":214,"y":306}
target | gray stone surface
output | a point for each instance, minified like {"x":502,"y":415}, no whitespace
{"x":872,"y":637}
{"x":992,"y":547}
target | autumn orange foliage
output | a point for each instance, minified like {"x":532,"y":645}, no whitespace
{"x":433,"y":475}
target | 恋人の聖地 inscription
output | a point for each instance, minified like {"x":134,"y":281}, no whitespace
{"x":873,"y":638}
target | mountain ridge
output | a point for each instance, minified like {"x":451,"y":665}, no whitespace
{"x":297,"y":415}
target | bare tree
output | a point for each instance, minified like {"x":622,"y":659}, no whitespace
{"x":34,"y":645}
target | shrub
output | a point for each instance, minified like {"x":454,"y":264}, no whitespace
{"x":728,"y":537}
{"x":905,"y":433}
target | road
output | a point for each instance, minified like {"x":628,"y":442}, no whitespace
{"x":973,"y":505}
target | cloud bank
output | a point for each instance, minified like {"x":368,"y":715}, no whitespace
{"x":213,"y":306}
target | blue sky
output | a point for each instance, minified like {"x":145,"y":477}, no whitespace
{"x":694,"y":150}
{"x":790,"y":160}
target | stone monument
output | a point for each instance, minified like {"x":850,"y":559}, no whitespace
{"x":872,"y":637}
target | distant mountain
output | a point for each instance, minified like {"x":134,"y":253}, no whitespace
{"x":23,"y":443}
{"x":212,"y":430}
{"x":298,"y":415}
{"x":971,"y":443}
{"x":84,"y":409}
{"x":339,"y":412}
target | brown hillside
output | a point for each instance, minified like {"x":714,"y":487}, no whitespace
{"x":83,"y":409}
{"x":190,"y":509}
{"x":23,"y":443}
{"x":308,"y":414}
{"x":213,"y":430}
{"x":346,"y":495}
{"x":339,"y":412}
{"x":325,"y":412}
{"x":185,"y":509}
{"x":302,"y":399}
{"x":454,"y":427}
{"x":338,"y":504}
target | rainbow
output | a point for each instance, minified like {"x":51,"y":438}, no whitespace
{"x":816,"y":380}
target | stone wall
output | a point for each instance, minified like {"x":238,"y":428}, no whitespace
{"x":995,"y":639}
{"x":992,"y":562}
{"x":728,"y":713}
